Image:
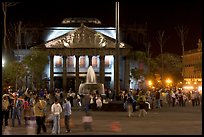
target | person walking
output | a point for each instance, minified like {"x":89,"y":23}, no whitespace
{"x":173,"y":96}
{"x":5,"y":109}
{"x":38,"y":113}
{"x":158,"y":98}
{"x":67,"y":114}
{"x":86,"y":102}
{"x":56,"y":109}
{"x":44,"y":110}
{"x":27,"y":110}
{"x":17,"y":105}
{"x":87,"y":122}
{"x":141,"y":103}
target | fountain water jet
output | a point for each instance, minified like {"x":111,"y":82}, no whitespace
{"x":91,"y":84}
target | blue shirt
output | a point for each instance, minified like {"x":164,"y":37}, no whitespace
{"x":67,"y":108}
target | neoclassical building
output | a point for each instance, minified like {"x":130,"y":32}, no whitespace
{"x":71,"y":53}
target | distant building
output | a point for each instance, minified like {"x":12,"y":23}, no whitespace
{"x":192,"y":71}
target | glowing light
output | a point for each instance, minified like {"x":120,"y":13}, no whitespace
{"x":168,"y":81}
{"x":150,"y":83}
{"x":199,"y":88}
{"x":3,"y":62}
{"x":188,"y":87}
{"x":58,"y":31}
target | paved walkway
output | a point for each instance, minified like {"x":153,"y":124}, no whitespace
{"x":165,"y":121}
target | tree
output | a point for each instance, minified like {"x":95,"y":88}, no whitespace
{"x":13,"y":74}
{"x":5,"y":6}
{"x":182,"y":32}
{"x":36,"y":62}
{"x":172,"y":66}
{"x":161,"y":40}
{"x":151,"y":64}
{"x":141,"y":59}
{"x":14,"y":34}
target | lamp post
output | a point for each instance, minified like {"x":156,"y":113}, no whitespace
{"x":117,"y":48}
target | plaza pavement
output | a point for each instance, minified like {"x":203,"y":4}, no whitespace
{"x":165,"y":121}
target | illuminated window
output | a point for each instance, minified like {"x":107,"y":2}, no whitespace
{"x":70,"y":61}
{"x":58,"y":61}
{"x":107,"y":61}
{"x":94,"y":61}
{"x":82,"y":62}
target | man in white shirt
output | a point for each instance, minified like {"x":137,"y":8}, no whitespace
{"x":56,"y":109}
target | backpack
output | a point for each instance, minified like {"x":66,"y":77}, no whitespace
{"x":26,"y":105}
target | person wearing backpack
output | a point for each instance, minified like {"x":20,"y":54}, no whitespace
{"x":27,"y":109}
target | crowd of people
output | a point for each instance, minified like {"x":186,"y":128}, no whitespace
{"x":156,"y":98}
{"x":40,"y":106}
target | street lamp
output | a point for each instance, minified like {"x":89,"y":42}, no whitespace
{"x":168,"y":81}
{"x":150,"y":83}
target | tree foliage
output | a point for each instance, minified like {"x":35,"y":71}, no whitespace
{"x":149,"y":63}
{"x":139,"y":57}
{"x":36,"y":62}
{"x":13,"y":74}
{"x":172,"y":65}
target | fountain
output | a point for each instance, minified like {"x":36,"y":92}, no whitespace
{"x":91,"y":86}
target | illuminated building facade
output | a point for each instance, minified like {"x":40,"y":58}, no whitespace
{"x":71,"y":53}
{"x":192,"y":71}
{"x":73,"y":48}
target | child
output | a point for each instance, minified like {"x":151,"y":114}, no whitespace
{"x":142,"y":104}
{"x":87,"y":121}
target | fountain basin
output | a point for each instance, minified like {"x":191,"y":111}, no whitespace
{"x":88,"y":88}
{"x":91,"y":85}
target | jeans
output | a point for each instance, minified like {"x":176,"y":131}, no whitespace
{"x":16,"y":113}
{"x":67,"y":122}
{"x":86,"y":108}
{"x":158,"y":103}
{"x":56,"y":124}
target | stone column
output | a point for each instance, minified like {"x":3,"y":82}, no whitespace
{"x":102,"y":69}
{"x":64,"y":73}
{"x":77,"y":74}
{"x":127,"y":73}
{"x":51,"y":73}
{"x":90,"y":60}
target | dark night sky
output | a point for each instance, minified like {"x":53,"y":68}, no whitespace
{"x":160,"y":15}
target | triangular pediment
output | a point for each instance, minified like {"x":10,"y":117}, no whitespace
{"x":83,"y":37}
